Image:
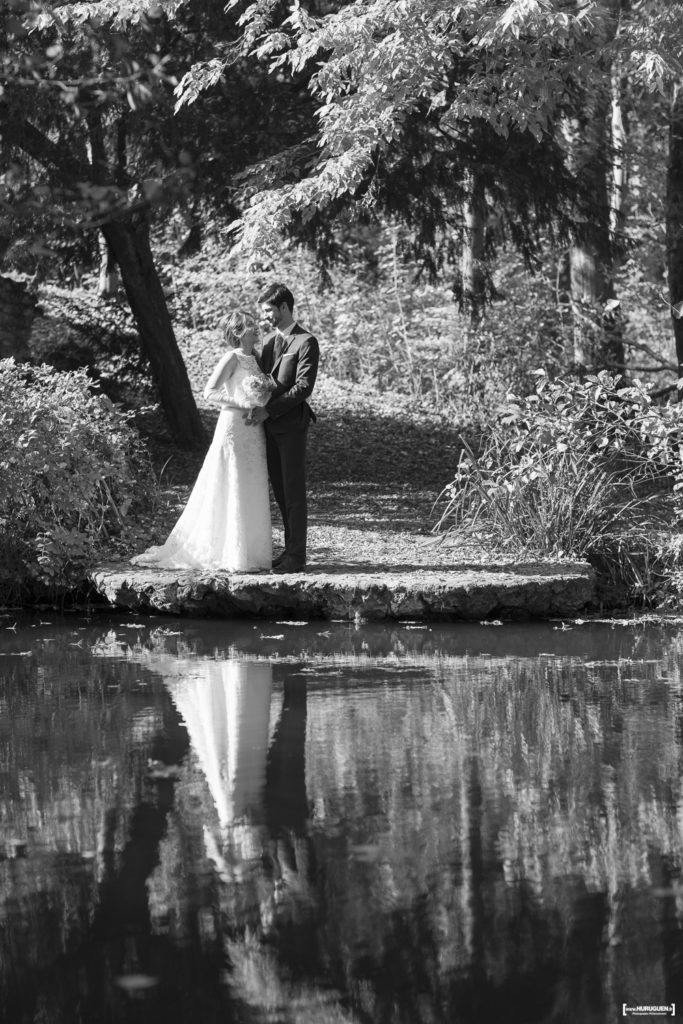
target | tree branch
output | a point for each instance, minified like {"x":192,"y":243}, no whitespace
{"x":643,"y":347}
{"x":44,"y":150}
{"x":651,"y":369}
{"x":661,"y":392}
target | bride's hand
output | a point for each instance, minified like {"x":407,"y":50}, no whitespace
{"x":258,"y":415}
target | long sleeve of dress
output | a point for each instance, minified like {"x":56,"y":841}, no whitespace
{"x":221,"y":374}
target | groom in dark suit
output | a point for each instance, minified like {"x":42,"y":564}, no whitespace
{"x":290,"y":356}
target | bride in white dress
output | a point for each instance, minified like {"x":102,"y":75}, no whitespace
{"x":226,"y":522}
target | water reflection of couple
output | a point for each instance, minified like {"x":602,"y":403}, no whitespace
{"x":260,"y":435}
{"x":249,"y":739}
{"x":254,"y":764}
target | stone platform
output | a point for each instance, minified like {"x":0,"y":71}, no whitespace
{"x":471,"y":592}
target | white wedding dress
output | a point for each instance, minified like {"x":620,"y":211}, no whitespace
{"x":226,"y":522}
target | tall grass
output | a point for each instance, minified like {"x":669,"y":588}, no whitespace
{"x":551,"y":505}
{"x":576,"y":470}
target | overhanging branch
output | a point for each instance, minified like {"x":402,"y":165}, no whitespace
{"x":42,"y":149}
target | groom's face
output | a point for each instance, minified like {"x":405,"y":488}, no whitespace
{"x":272,"y":314}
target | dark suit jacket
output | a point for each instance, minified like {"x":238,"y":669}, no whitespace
{"x":294,"y":374}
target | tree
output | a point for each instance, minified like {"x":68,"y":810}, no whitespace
{"x":596,"y":329}
{"x":373,"y":65}
{"x":64,"y":83}
{"x":473,"y":248}
{"x":446,"y":114}
{"x":467,"y":69}
{"x":93,"y":144}
{"x":674,"y":220}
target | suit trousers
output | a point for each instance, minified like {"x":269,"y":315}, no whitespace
{"x":286,"y":455}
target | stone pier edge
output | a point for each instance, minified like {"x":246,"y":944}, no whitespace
{"x":509,"y":592}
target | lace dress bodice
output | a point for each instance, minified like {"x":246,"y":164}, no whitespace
{"x":246,"y":387}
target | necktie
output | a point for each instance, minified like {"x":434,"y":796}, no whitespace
{"x":278,"y":347}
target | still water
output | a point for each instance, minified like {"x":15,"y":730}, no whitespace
{"x":329,"y":823}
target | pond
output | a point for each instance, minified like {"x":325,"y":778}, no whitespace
{"x":277,"y":821}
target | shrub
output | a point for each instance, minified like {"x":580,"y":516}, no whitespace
{"x":575,"y":470}
{"x":71,"y":466}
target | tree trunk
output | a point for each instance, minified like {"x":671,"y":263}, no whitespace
{"x":597,"y":327}
{"x":674,"y":219}
{"x":192,"y":242}
{"x":472,"y":260}
{"x":129,"y":242}
{"x":17,"y":310}
{"x":619,"y":163}
{"x":108,"y":284}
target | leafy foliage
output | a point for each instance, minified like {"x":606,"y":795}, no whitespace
{"x":373,"y":67}
{"x":98,"y":78}
{"x":71,"y":468}
{"x":573,"y":471}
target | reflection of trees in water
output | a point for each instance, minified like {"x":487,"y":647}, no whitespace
{"x":81,"y":822}
{"x":499,"y":821}
{"x":391,"y":846}
{"x":75,"y":742}
{"x":461,"y":844}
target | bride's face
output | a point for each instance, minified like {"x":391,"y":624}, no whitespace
{"x":248,"y":340}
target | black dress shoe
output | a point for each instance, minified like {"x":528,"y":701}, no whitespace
{"x":289,"y":564}
{"x":278,"y":559}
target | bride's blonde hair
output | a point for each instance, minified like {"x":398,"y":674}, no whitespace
{"x":236,"y":324}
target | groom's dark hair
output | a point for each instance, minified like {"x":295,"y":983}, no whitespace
{"x":276,"y":294}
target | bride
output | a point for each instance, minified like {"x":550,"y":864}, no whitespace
{"x":226,"y":522}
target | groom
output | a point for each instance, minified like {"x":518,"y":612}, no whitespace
{"x":290,"y":357}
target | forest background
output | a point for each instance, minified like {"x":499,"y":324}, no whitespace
{"x":478,"y":205}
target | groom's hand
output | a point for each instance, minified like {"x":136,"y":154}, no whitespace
{"x":257,"y":415}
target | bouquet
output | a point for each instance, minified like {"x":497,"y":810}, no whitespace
{"x":258,"y":388}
